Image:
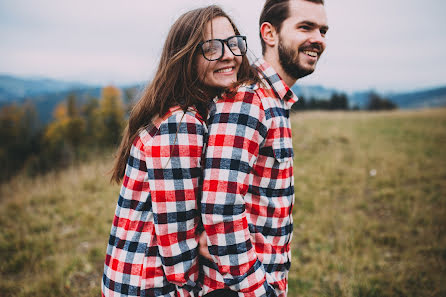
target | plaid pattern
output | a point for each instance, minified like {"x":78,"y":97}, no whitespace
{"x":152,"y":250}
{"x":248,"y":189}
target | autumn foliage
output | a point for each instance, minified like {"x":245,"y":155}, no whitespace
{"x":78,"y":127}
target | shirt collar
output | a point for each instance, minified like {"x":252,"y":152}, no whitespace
{"x":271,"y":78}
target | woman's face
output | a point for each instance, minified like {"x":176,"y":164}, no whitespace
{"x":221,"y":73}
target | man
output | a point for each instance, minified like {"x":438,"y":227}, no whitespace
{"x":248,"y":187}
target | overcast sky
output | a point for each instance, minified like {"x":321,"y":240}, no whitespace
{"x":387,"y":45}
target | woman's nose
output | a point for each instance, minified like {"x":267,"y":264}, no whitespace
{"x":227,"y":53}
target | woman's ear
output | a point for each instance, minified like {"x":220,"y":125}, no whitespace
{"x":268,"y":33}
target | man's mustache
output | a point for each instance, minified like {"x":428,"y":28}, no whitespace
{"x":312,"y":47}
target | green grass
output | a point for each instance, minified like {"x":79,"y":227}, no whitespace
{"x":369,"y":218}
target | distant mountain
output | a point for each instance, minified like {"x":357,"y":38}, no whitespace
{"x":44,"y":93}
{"x":316,"y":92}
{"x":420,"y":98}
{"x":435,"y":97}
{"x":46,"y":103}
{"x":14,"y":88}
{"x":360,"y":99}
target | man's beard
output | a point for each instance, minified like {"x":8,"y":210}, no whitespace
{"x":289,"y":60}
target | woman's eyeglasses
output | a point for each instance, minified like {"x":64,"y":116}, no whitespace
{"x":214,"y":49}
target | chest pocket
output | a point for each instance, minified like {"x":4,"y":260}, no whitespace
{"x":283,"y":150}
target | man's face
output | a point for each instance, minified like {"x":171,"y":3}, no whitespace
{"x":302,"y":38}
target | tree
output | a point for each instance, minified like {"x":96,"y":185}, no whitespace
{"x":300,"y":104}
{"x":65,"y":134}
{"x":110,"y":116}
{"x":69,"y":126}
{"x":72,"y":109}
{"x":338,"y":102}
{"x":19,"y":134}
{"x":89,"y":110}
{"x":376,"y":102}
{"x":130,"y":98}
{"x":318,"y":104}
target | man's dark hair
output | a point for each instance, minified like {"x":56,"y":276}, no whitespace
{"x":275,"y":12}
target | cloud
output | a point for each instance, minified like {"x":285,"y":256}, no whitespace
{"x":370,"y":44}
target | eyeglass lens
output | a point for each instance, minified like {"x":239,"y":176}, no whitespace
{"x":214,"y":49}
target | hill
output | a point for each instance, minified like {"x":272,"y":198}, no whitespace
{"x":14,"y":88}
{"x":45,"y":103}
{"x":420,"y":99}
{"x":317,"y":92}
{"x":47,"y":93}
{"x":44,"y":93}
{"x":369,"y":215}
{"x":426,"y":98}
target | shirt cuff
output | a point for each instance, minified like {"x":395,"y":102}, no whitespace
{"x":263,"y":291}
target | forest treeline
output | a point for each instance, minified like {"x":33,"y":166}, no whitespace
{"x":81,"y":128}
{"x":339,"y":101}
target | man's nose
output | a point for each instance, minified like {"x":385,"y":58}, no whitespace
{"x":318,"y":37}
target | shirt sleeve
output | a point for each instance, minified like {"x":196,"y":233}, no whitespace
{"x":174,"y":171}
{"x":236,"y":130}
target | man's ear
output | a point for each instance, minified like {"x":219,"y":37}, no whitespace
{"x":268,"y":33}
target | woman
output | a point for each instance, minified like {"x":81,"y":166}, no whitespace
{"x":152,"y":250}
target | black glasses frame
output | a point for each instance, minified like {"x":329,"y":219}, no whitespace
{"x":223,"y":42}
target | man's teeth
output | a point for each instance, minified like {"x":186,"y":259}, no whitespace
{"x":225,"y":70}
{"x":310,"y":53}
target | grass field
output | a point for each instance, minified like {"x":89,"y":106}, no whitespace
{"x":369,"y":218}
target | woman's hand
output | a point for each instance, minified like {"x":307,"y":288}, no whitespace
{"x":203,"y":246}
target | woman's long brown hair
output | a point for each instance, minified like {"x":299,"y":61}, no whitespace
{"x":176,"y":82}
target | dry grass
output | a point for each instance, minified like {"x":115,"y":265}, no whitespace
{"x":54,"y":231}
{"x":370,"y":213}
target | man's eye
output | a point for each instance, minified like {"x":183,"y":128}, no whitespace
{"x":305,"y":27}
{"x":233,"y":44}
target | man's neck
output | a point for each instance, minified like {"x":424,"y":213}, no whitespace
{"x":273,"y":60}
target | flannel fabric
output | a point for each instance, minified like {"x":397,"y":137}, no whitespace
{"x":248,"y":188}
{"x":152,"y":250}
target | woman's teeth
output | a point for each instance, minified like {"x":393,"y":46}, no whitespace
{"x":224,"y":70}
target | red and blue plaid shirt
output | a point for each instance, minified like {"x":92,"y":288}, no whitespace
{"x":248,"y":189}
{"x":152,"y":250}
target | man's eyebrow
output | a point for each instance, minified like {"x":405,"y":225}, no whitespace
{"x":312,"y":24}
